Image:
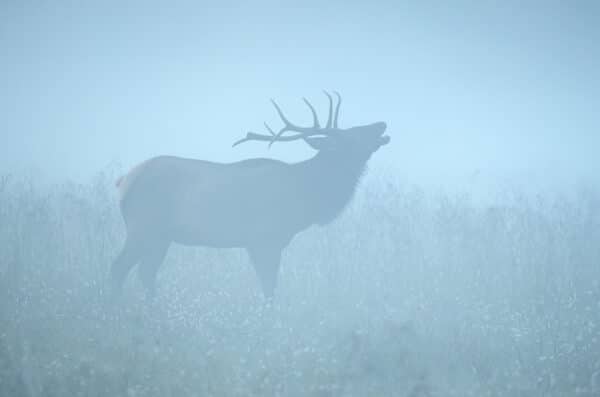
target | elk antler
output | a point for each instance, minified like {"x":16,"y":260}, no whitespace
{"x":337,"y":109}
{"x":303,"y":132}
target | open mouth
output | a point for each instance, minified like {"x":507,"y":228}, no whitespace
{"x":384,"y":140}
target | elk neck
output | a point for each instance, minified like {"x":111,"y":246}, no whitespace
{"x":330,"y":179}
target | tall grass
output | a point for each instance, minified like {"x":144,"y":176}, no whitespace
{"x":409,"y":293}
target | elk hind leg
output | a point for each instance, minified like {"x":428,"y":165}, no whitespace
{"x":152,"y":258}
{"x":129,"y":256}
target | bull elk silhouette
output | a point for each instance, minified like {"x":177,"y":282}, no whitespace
{"x":258,"y":204}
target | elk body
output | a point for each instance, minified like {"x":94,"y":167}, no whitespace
{"x":257,"y":204}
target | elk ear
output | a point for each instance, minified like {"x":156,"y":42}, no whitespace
{"x":319,"y":143}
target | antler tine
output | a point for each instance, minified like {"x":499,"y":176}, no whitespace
{"x":252,"y":136}
{"x":269,"y":129}
{"x":314,"y":114}
{"x":288,"y":124}
{"x":273,"y":134}
{"x":330,"y":109}
{"x":337,"y":109}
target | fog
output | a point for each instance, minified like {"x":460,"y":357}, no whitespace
{"x":507,"y":90}
{"x":463,"y":261}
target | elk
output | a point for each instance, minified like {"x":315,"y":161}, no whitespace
{"x":258,"y":204}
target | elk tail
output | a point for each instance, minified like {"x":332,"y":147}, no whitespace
{"x":124,"y":182}
{"x":121,"y":185}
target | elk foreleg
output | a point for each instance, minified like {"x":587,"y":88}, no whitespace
{"x":266,"y":261}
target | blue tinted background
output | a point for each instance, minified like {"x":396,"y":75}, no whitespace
{"x":469,"y":89}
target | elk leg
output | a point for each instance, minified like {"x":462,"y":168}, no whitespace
{"x":266,"y":262}
{"x":151,"y":261}
{"x":130,"y":255}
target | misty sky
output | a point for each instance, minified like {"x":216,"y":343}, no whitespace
{"x":468,"y":89}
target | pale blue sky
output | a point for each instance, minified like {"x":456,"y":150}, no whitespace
{"x":501,"y":88}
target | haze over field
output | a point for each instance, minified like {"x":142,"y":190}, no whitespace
{"x":488,"y":90}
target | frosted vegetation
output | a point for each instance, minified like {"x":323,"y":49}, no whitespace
{"x":409,"y":293}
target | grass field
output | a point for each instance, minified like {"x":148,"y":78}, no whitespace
{"x":410,"y":293}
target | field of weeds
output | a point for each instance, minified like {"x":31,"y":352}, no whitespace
{"x":409,"y":293}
